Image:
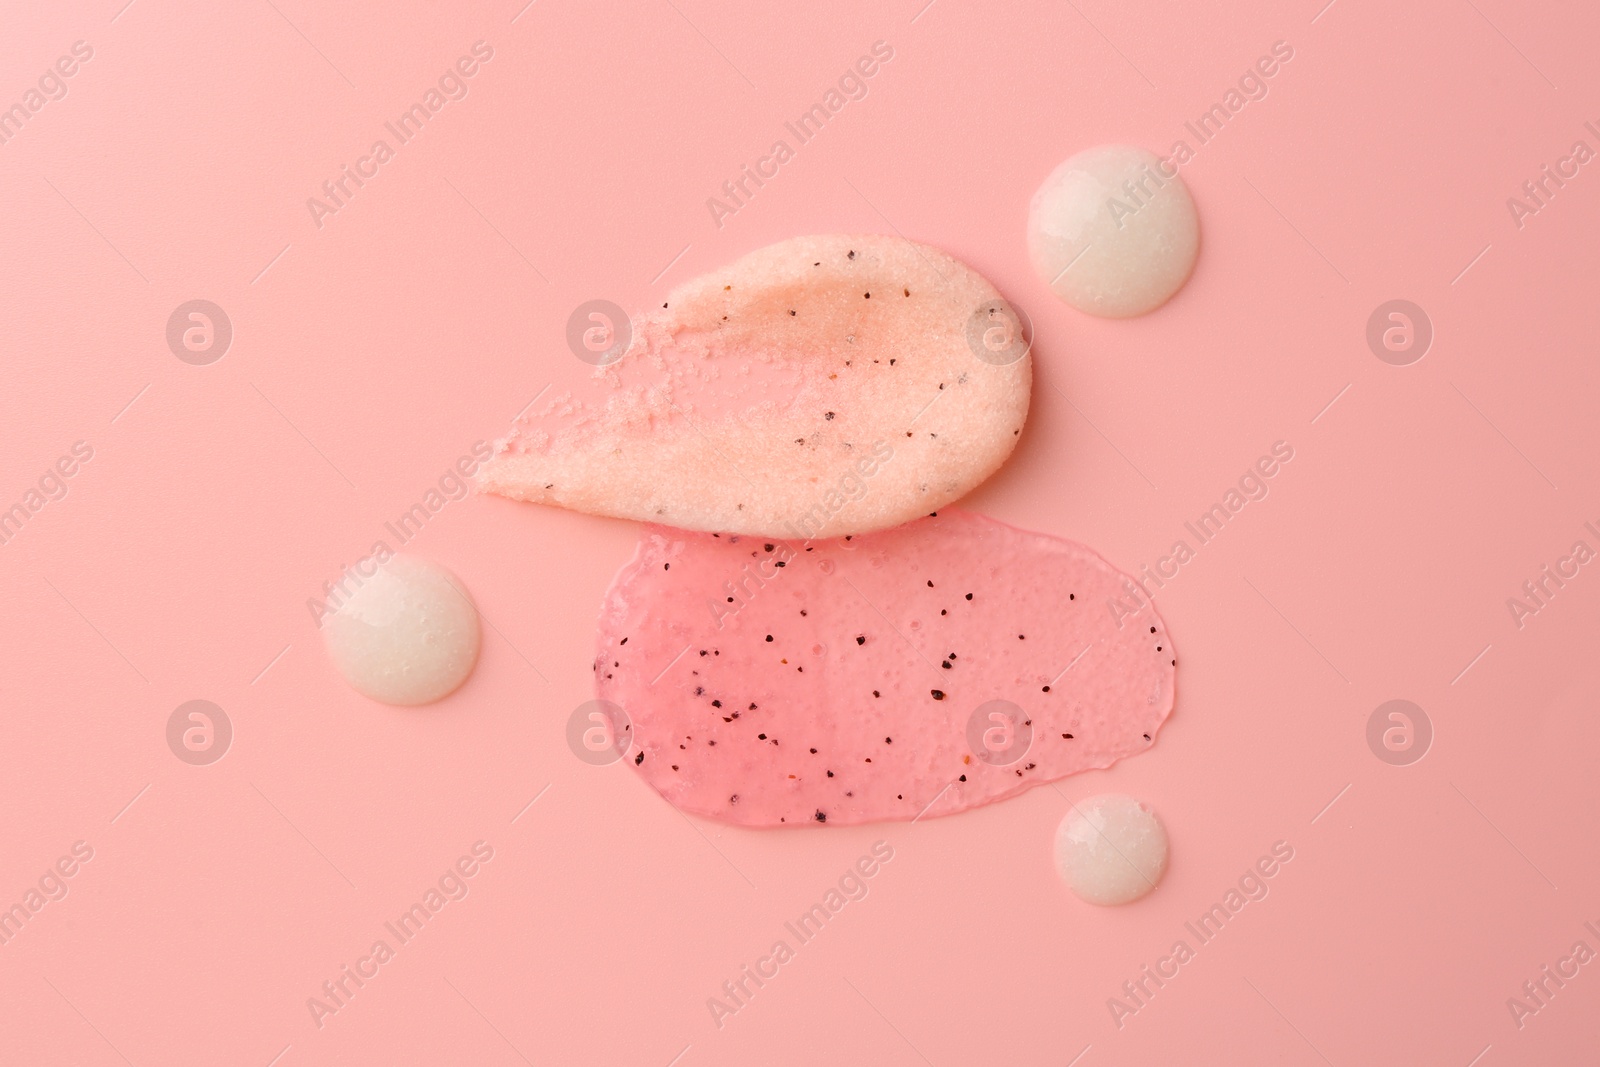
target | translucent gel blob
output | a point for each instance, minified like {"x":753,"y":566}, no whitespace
{"x":408,"y":634}
{"x":918,"y":671}
{"x":1111,"y":849}
{"x":1113,"y":231}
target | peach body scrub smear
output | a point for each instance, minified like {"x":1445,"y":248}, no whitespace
{"x":754,"y":393}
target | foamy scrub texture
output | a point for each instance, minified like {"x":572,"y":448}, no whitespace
{"x":818,"y":387}
{"x":918,"y":671}
{"x":1113,"y":231}
{"x":1111,"y":849}
{"x":408,"y":635}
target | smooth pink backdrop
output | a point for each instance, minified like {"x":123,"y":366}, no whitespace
{"x":370,"y":353}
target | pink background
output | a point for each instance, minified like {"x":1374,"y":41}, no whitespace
{"x":370,"y":354}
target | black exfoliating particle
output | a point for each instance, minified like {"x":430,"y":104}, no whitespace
{"x":862,"y":640}
{"x":820,"y":816}
{"x":938,"y":694}
{"x":638,"y":759}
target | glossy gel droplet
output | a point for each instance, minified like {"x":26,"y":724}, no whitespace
{"x":1111,"y":849}
{"x":407,"y":635}
{"x":1113,"y":231}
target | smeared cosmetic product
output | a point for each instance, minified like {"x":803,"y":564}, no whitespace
{"x":765,"y":398}
{"x":915,"y":672}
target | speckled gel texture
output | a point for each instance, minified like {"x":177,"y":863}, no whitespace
{"x":786,"y":683}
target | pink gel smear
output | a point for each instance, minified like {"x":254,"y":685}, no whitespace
{"x":829,"y":656}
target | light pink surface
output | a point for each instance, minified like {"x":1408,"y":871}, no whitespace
{"x":372,"y":354}
{"x":796,"y":683}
